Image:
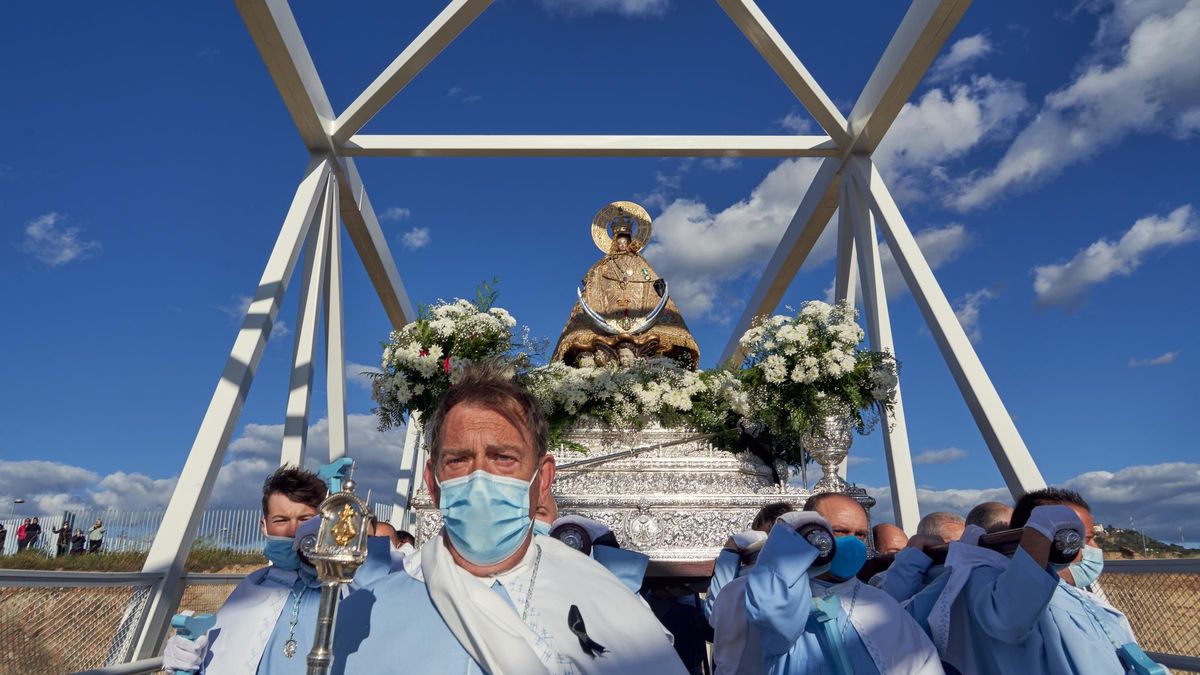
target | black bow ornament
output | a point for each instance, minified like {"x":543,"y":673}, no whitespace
{"x":575,"y":623}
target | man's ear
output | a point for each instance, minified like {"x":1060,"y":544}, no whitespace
{"x":262,"y":524}
{"x":546,"y":477}
{"x":431,"y":485}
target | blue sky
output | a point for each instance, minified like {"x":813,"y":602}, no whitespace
{"x":1046,"y":164}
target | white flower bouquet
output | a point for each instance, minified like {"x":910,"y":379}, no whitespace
{"x":426,"y":356}
{"x":801,"y":368}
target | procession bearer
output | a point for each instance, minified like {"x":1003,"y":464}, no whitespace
{"x":485,"y":594}
{"x":268,"y":622}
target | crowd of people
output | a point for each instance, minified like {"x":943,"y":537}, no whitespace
{"x":67,"y":541}
{"x":509,"y":586}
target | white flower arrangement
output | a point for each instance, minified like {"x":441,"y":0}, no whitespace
{"x":800,"y":368}
{"x":425,"y":357}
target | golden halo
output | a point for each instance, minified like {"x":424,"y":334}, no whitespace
{"x":609,"y":213}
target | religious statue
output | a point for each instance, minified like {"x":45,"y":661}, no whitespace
{"x":624,"y":311}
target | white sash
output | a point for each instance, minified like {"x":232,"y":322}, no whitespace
{"x":894,"y":641}
{"x":247,"y":619}
{"x":487,"y":626}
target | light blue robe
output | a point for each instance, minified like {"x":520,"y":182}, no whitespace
{"x":910,"y":572}
{"x":272,"y":582}
{"x":273,"y":661}
{"x":403,"y":632}
{"x":1025,"y":619}
{"x":628,"y":566}
{"x":778,"y":602}
{"x":725,"y":569}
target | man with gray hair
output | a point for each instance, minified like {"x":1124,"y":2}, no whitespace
{"x":990,"y":516}
{"x":485,"y":594}
{"x":948,"y":526}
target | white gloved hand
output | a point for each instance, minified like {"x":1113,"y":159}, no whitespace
{"x":797,"y":519}
{"x":742,"y":540}
{"x":184,"y":654}
{"x":971,"y":535}
{"x":1051,"y":518}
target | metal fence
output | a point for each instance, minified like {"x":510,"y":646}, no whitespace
{"x":134,"y":530}
{"x":1161,"y":598}
{"x":58,"y":622}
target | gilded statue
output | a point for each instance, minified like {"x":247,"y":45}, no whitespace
{"x":624,"y":309}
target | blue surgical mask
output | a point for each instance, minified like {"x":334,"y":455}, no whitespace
{"x":849,"y":558}
{"x":1089,"y":567}
{"x":541,"y":527}
{"x":282,"y":552}
{"x":486,"y":516}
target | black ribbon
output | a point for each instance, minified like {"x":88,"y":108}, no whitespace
{"x":575,"y":623}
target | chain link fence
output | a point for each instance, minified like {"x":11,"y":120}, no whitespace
{"x":61,"y":622}
{"x":1161,"y":598}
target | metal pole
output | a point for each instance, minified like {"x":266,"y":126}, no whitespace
{"x":321,"y":657}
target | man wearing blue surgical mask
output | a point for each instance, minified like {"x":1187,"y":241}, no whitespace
{"x":267,"y":624}
{"x":808,"y":611}
{"x":485,"y":594}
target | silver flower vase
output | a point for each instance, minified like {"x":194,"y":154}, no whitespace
{"x":828,"y":443}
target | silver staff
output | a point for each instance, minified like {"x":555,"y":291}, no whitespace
{"x":337,"y":550}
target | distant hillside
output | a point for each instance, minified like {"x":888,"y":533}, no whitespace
{"x":1129,"y":543}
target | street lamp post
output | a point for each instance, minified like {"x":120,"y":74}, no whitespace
{"x":12,"y":510}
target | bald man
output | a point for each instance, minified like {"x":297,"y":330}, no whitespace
{"x":991,"y":516}
{"x":889,"y":538}
{"x":948,"y":526}
{"x":782,"y":591}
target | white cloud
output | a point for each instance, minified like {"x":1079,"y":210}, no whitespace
{"x":961,"y":54}
{"x":942,"y":126}
{"x":54,"y":245}
{"x":699,"y":251}
{"x":36,"y":477}
{"x":939,"y":456}
{"x":240,"y":305}
{"x":356,"y":374}
{"x":417,"y":237}
{"x":1142,"y":78}
{"x":720,"y":163}
{"x":939,"y":246}
{"x":51,"y":487}
{"x":966,"y":309}
{"x":395,"y":213}
{"x":1162,"y":360}
{"x":630,"y":8}
{"x":796,"y":122}
{"x":1160,"y":497}
{"x":1066,"y":284}
{"x":280,"y":329}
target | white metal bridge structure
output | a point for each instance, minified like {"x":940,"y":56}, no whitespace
{"x":331,"y":195}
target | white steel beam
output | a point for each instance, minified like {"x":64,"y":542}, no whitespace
{"x":879,"y":331}
{"x":335,"y":350}
{"x":308,"y":317}
{"x":1001,"y":435}
{"x":922,"y":33}
{"x":411,"y":471}
{"x":457,"y":15}
{"x":178,"y":528}
{"x":367,"y":236}
{"x":589,"y":146}
{"x":275,"y":33}
{"x":816,"y":208}
{"x":846,"y":273}
{"x":771,"y":45}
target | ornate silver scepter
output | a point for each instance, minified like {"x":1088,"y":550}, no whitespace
{"x":337,"y":550}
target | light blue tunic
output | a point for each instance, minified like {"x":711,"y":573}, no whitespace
{"x":273,"y":662}
{"x":779,"y":599}
{"x":725,"y":570}
{"x":1025,"y":619}
{"x":308,"y":589}
{"x":402,"y":633}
